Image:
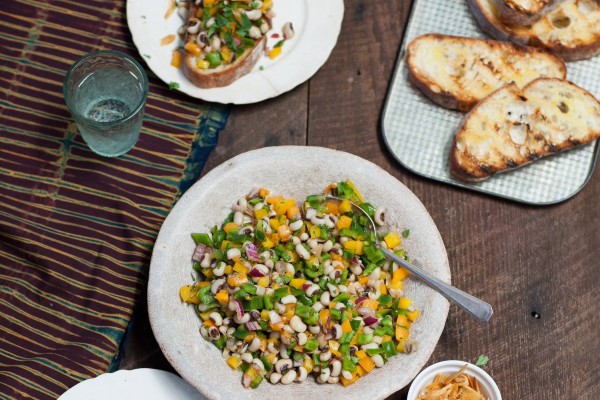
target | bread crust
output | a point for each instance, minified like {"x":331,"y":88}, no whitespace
{"x":513,"y":14}
{"x":466,"y":100}
{"x":212,"y":78}
{"x":465,"y":166}
{"x":543,"y":33}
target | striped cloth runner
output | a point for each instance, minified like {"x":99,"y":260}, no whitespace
{"x":76,"y":229}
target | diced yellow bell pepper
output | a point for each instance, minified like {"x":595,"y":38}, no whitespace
{"x":262,"y":192}
{"x":346,"y":327}
{"x":383,"y":289}
{"x":332,"y":208}
{"x":343,"y":221}
{"x":274,"y":222}
{"x":314,"y":231}
{"x":401,"y":333}
{"x":228,"y":270}
{"x":268,"y":244}
{"x":367,"y":363}
{"x":229,"y":226}
{"x":308,"y":364}
{"x":344,"y":207}
{"x":402,"y":320}
{"x":188,"y":295}
{"x":297,"y":283}
{"x":404,"y":302}
{"x":292,"y":212}
{"x":274,"y":199}
{"x":225,"y":53}
{"x":324,"y":315}
{"x":282,"y":207}
{"x":192,"y":48}
{"x":263,"y":281}
{"x":176,"y":59}
{"x":355,"y":245}
{"x":264,"y":315}
{"x":222,"y":297}
{"x":167,"y":40}
{"x":275,"y":52}
{"x":363,"y":279}
{"x":370,"y":303}
{"x":399,"y":275}
{"x":240,"y":268}
{"x":360,"y":370}
{"x":346,"y":382}
{"x":412,"y":315}
{"x":202,"y":64}
{"x":392,"y":240}
{"x":234,"y":362}
{"x":260,"y":213}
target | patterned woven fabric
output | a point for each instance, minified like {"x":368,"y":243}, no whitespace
{"x":76,"y":229}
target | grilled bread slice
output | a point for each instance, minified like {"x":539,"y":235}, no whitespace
{"x":521,"y":12}
{"x":224,"y":40}
{"x":513,"y":127}
{"x":571,"y":29}
{"x":457,"y":72}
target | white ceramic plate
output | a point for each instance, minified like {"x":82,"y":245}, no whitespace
{"x":143,"y":383}
{"x":292,"y":172}
{"x":488,"y":387}
{"x":317,"y":24}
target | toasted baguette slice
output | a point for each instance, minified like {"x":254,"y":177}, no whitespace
{"x":521,"y":12}
{"x":570,"y":30}
{"x":513,"y":127}
{"x":226,"y":73}
{"x":457,"y":72}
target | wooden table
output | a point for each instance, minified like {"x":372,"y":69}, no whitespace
{"x":535,"y":265}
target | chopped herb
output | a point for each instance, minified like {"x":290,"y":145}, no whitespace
{"x":245,"y":26}
{"x":279,"y":44}
{"x":261,"y":68}
{"x":482,"y":360}
{"x":254,"y":4}
{"x":143,"y":17}
{"x":405,"y":233}
{"x":173,"y":85}
{"x":148,"y":56}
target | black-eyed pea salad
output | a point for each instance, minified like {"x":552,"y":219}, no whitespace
{"x":286,"y":291}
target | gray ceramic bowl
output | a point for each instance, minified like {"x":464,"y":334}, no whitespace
{"x":292,"y":172}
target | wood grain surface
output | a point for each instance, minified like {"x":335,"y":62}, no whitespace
{"x":537,"y":266}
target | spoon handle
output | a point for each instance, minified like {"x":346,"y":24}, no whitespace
{"x":479,"y":309}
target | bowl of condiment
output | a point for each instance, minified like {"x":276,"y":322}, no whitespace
{"x":453,"y":379}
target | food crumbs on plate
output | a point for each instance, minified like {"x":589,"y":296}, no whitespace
{"x":261,"y":68}
{"x":460,"y":386}
{"x":275,"y":52}
{"x":167,"y":40}
{"x":170,"y":9}
{"x":292,"y":290}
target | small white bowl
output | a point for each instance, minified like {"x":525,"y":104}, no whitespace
{"x":488,"y":387}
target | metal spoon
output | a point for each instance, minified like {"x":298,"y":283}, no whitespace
{"x":479,"y":309}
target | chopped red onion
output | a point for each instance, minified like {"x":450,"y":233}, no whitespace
{"x":252,"y":326}
{"x":199,"y":252}
{"x":256,"y":273}
{"x":360,"y":300}
{"x":370,"y":320}
{"x":306,"y":286}
{"x":252,"y":252}
{"x":239,"y":310}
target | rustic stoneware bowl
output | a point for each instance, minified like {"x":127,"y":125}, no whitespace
{"x":292,"y":172}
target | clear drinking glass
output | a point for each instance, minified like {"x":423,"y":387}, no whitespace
{"x":106,"y":92}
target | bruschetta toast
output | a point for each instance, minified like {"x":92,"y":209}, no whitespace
{"x":571,"y":29}
{"x":224,"y":40}
{"x":513,"y":127}
{"x":457,"y":72}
